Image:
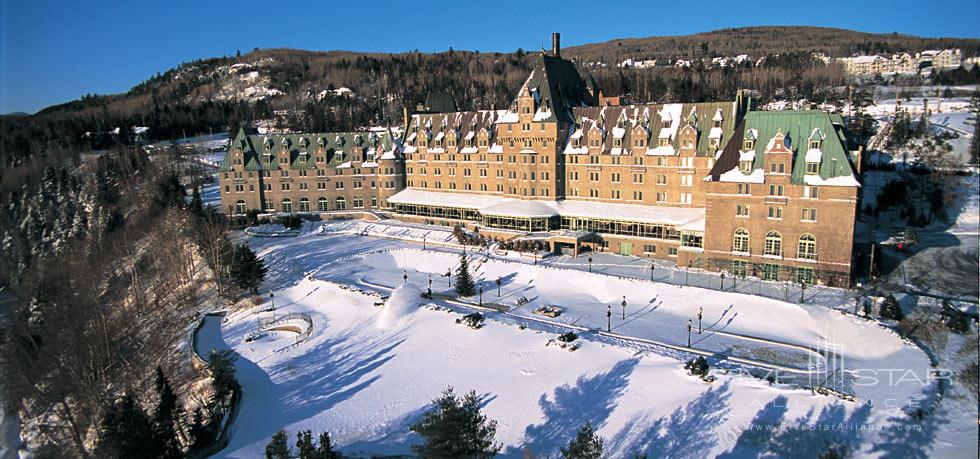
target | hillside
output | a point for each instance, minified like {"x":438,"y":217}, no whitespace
{"x":340,"y":90}
{"x":759,"y":41}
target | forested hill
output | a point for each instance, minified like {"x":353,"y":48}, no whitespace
{"x":339,"y":90}
{"x":760,"y":41}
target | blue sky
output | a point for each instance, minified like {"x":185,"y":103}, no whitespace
{"x":55,"y":51}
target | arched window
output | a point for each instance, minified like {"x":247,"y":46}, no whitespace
{"x":304,"y":204}
{"x":240,"y":207}
{"x":322,"y":204}
{"x":808,"y":247}
{"x":741,"y":241}
{"x":774,"y":244}
{"x":287,"y":205}
{"x":341,"y":203}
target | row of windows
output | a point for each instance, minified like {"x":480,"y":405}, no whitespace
{"x":776,"y":213}
{"x":686,"y":162}
{"x":772,"y":271}
{"x":806,"y":245}
{"x":661,"y":197}
{"x":303,"y":205}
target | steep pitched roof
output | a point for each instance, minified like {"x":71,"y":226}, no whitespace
{"x":559,"y":87}
{"x":301,"y":146}
{"x":797,"y":126}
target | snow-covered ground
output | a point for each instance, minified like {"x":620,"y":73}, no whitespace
{"x":366,"y":373}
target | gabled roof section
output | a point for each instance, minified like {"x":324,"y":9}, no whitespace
{"x":303,"y":146}
{"x":652,"y":120}
{"x":558,"y":88}
{"x":797,"y":126}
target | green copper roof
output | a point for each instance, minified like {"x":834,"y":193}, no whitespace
{"x":302,"y":147}
{"x":798,"y":126}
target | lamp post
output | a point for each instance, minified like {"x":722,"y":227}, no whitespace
{"x":590,"y":263}
{"x":430,"y":286}
{"x":624,"y":307}
{"x":686,"y":272}
{"x":498,"y":287}
{"x":481,"y":294}
{"x":609,"y":318}
{"x":802,"y":289}
{"x":653,"y":266}
{"x":405,"y":276}
{"x":722,"y":281}
{"x":449,"y":277}
{"x":700,"y":310}
{"x":688,"y":332}
{"x":423,"y":240}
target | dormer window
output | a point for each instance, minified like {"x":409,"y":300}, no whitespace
{"x":713,"y":144}
{"x":664,"y":142}
{"x":667,"y":123}
{"x":745,"y":167}
{"x":617,"y":142}
{"x":716,"y":124}
{"x":814,"y":144}
{"x":812,"y":168}
{"x":748,"y":144}
{"x":576,"y":143}
{"x":638,"y":142}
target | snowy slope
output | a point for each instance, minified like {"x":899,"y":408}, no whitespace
{"x":367,"y":384}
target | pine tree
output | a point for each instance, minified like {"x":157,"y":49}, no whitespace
{"x":304,"y":444}
{"x":223,"y":382}
{"x":200,"y":432}
{"x":464,"y":281}
{"x":247,"y":270}
{"x":585,"y":445}
{"x":166,"y":416}
{"x":125,"y":429}
{"x":975,"y":141}
{"x":196,"y":205}
{"x":324,"y":450}
{"x":278,"y":447}
{"x":456,"y":428}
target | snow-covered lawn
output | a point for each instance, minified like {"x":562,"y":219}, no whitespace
{"x":366,"y":373}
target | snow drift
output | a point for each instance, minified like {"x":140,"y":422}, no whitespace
{"x":403,"y":301}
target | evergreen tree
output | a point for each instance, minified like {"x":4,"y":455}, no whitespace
{"x":304,"y":444}
{"x":197,"y":205}
{"x":464,"y":281}
{"x":324,"y":450}
{"x":456,"y":428}
{"x":585,"y":445}
{"x":200,"y":432}
{"x":125,"y":429}
{"x":170,"y":192}
{"x":278,"y":447}
{"x":166,"y":416}
{"x":223,"y":382}
{"x":247,"y":270}
{"x":975,"y":141}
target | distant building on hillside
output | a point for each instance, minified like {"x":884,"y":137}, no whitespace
{"x":902,"y":62}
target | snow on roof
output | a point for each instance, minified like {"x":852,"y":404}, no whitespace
{"x":439,"y":136}
{"x":496,"y":148}
{"x":813,"y":155}
{"x":520,"y":208}
{"x":752,"y":134}
{"x":718,"y":115}
{"x":577,"y":134}
{"x":736,"y":175}
{"x":390,"y":154}
{"x":618,"y":132}
{"x":509,"y":117}
{"x":410,"y":149}
{"x":843,"y":180}
{"x":444,"y":199}
{"x":746,"y":155}
{"x":686,"y":218}
{"x":715,"y":133}
{"x":661,"y":151}
{"x":469,"y":150}
{"x":542,"y":114}
{"x":469,"y":135}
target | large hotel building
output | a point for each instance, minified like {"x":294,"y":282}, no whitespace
{"x":714,"y":185}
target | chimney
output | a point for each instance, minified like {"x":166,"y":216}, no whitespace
{"x":556,"y":44}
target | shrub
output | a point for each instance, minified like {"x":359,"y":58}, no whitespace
{"x":698,"y":366}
